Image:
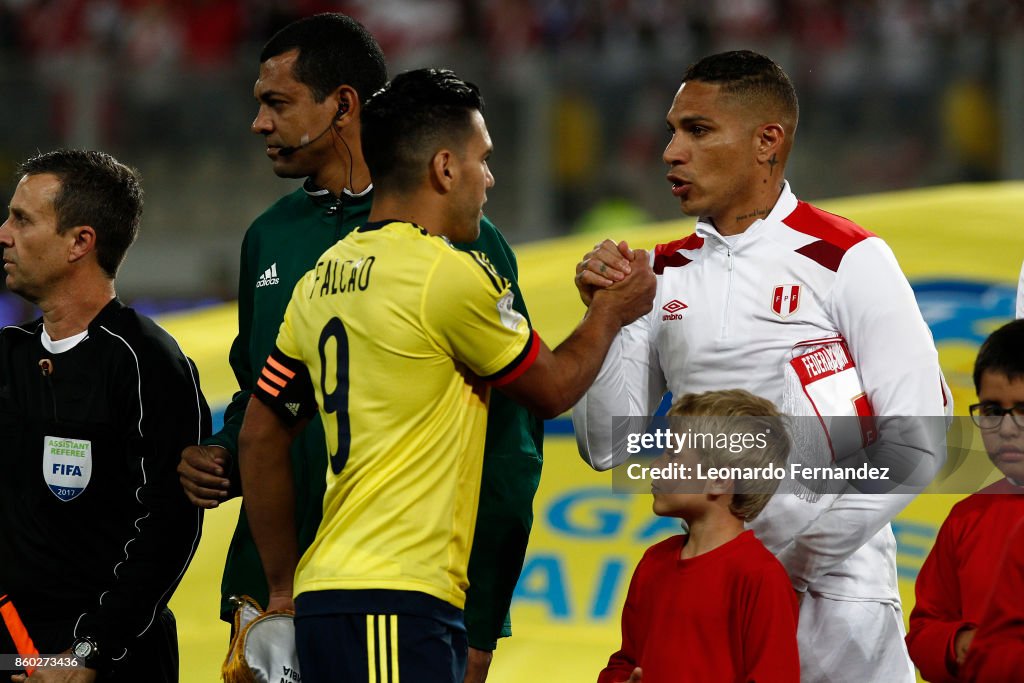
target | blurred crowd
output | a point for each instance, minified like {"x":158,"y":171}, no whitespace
{"x":894,"y":93}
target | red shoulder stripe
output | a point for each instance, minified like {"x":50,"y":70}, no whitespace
{"x":828,"y":227}
{"x":835,"y":234}
{"x":827,"y":255}
{"x":668,"y":256}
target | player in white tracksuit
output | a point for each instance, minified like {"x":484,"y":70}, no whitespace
{"x":732,"y":310}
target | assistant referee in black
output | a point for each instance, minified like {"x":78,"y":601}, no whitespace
{"x":96,"y":403}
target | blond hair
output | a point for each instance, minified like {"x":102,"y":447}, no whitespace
{"x":735,"y":411}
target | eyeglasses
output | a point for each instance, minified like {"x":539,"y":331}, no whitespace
{"x":990,"y":415}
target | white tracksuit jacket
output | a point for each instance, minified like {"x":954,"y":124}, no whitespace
{"x":728,"y":313}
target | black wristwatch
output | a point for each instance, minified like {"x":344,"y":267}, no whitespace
{"x":87,"y":652}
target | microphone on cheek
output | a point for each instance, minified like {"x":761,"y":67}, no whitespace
{"x":304,"y":141}
{"x":289,"y":150}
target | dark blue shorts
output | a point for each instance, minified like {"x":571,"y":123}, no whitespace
{"x":385,"y":645}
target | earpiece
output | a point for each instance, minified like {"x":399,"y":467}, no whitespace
{"x":288,"y":150}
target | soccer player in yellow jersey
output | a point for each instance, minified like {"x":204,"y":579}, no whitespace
{"x":396,"y":337}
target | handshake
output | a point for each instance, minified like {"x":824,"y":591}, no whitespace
{"x":617,"y":272}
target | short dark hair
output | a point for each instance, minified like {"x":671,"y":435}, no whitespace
{"x":408,"y":120}
{"x":1002,"y":352}
{"x":97,"y":190}
{"x":334,"y":50}
{"x":749,"y":75}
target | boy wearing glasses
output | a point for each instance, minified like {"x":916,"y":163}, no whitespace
{"x":956,"y":580}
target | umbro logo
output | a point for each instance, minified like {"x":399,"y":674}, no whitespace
{"x":268,"y":278}
{"x":672,"y":310}
{"x":293,"y":408}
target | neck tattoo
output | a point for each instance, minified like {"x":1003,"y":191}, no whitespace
{"x":757,"y":213}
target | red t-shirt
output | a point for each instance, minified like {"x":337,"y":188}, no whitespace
{"x":997,"y":653}
{"x":957,"y":578}
{"x":727,"y":615}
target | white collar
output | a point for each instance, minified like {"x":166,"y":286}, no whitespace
{"x":784,"y":205}
{"x":62,"y":345}
{"x":316,"y":191}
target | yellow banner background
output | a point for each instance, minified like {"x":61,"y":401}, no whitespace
{"x":961,"y":246}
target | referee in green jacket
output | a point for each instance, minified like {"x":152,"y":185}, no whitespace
{"x":314,"y":76}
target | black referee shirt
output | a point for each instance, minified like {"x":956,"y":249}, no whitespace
{"x":95,"y":530}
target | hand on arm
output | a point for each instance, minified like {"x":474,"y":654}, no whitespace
{"x":603,"y":266}
{"x":265,"y":465}
{"x":203,"y":474}
{"x":208,"y":472}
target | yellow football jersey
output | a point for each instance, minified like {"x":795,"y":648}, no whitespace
{"x":397,"y":336}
